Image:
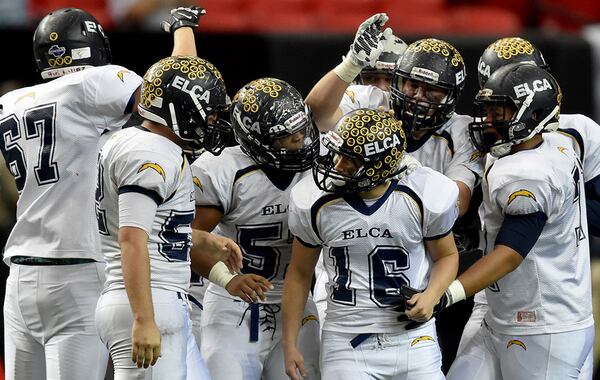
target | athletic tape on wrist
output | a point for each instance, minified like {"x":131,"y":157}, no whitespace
{"x":347,"y":70}
{"x":455,"y":292}
{"x":220,"y":275}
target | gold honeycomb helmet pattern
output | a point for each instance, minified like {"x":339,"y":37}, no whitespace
{"x":367,"y":129}
{"x":188,"y":66}
{"x":506,"y":48}
{"x":443,"y":48}
{"x":247,"y":95}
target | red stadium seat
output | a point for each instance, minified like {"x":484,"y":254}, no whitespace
{"x":225,"y":22}
{"x":484,"y":20}
{"x":98,"y":8}
{"x":420,"y":22}
{"x":282,"y":21}
{"x":223,"y":5}
{"x":281,"y":5}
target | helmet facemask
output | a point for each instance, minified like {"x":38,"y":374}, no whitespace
{"x":274,"y":126}
{"x":373,"y":141}
{"x":268,"y":150}
{"x":498,"y":125}
{"x":422,"y":114}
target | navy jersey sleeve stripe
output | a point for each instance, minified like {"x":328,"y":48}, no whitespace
{"x":138,"y":189}
{"x":308,"y":245}
{"x":521,"y":232}
{"x":577,"y":137}
{"x":130,"y":103}
{"x":408,"y":191}
{"x":436,"y":237}
{"x":316,"y":207}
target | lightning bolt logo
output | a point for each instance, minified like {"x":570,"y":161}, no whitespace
{"x":475,"y":156}
{"x":520,"y":193}
{"x":121,"y":73}
{"x":515,"y":342}
{"x":308,"y":318}
{"x":423,"y":338}
{"x":561,"y":149}
{"x":197,"y":183}
{"x":350,"y":93}
{"x":154,"y":166}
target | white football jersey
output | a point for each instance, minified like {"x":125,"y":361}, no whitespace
{"x":136,"y":160}
{"x":550,"y":291}
{"x":371,"y":248}
{"x":361,"y":96}
{"x":255,"y":212}
{"x":585,"y":136}
{"x":448,"y":150}
{"x":50,"y":137}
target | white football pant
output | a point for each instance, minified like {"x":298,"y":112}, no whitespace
{"x":228,"y":331}
{"x":180,"y":358}
{"x":492,"y":356}
{"x":49,"y":330}
{"x":414,"y":354}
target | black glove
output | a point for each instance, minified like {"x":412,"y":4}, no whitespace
{"x":407,"y":293}
{"x":183,"y":17}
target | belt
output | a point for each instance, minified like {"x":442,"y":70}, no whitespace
{"x":30,"y":260}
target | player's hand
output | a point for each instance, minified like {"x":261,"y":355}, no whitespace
{"x":145,"y":343}
{"x":294,"y":363}
{"x":249,"y":287}
{"x":421,"y":314}
{"x":224,"y":249}
{"x":369,"y":39}
{"x":183,"y":17}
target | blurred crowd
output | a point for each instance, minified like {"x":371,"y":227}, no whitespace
{"x":467,"y":17}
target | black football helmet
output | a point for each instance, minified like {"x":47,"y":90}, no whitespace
{"x":373,"y":138}
{"x":386,"y":62}
{"x":436,"y":63}
{"x":269,"y":109}
{"x":505,"y":51}
{"x":529,"y":92}
{"x":188,"y":95}
{"x":69,"y":40}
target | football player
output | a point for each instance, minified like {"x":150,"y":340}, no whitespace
{"x":585,"y":140}
{"x":243,"y":194}
{"x":380,"y":231}
{"x":51,"y":132}
{"x":536,"y":271}
{"x":145,"y":207}
{"x":428,"y":80}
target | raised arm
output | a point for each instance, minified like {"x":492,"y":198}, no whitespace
{"x":324,"y":98}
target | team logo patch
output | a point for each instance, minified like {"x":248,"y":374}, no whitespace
{"x":56,"y":51}
{"x":475,"y":156}
{"x":121,"y":73}
{"x":515,"y":342}
{"x":53,"y":36}
{"x":197,"y":183}
{"x":154,"y":166}
{"x":520,"y":193}
{"x":350,"y":93}
{"x":423,"y":338}
{"x":309,"y":318}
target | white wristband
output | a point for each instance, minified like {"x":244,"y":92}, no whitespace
{"x":347,"y":70}
{"x":455,"y":292}
{"x":220,"y":274}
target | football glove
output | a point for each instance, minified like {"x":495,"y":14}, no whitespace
{"x":407,"y":293}
{"x":183,"y":17}
{"x":368,"y":41}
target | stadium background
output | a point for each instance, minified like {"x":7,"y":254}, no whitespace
{"x":300,"y":40}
